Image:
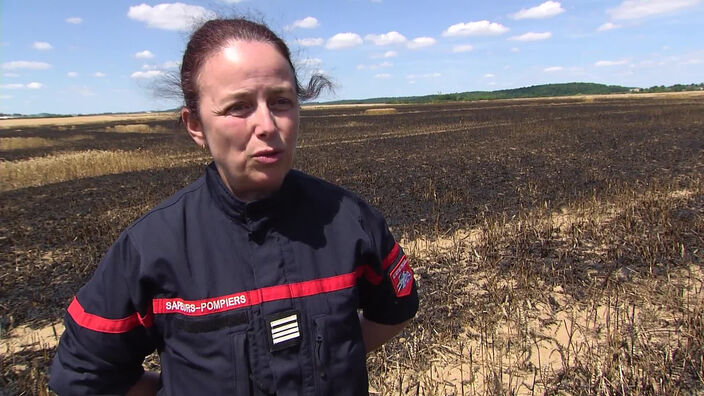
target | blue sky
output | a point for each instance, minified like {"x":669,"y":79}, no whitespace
{"x":87,"y":56}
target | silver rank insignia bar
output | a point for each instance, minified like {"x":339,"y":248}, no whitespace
{"x":284,"y":330}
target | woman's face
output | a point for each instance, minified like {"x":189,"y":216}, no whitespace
{"x":248,"y":117}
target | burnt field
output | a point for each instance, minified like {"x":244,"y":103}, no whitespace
{"x":558,"y":243}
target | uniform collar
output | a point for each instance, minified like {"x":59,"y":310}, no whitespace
{"x":252,"y":214}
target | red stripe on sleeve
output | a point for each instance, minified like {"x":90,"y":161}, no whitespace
{"x":104,"y":325}
{"x":369,"y":274}
{"x":391,"y":257}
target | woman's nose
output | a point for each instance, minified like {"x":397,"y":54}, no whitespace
{"x":265,"y":122}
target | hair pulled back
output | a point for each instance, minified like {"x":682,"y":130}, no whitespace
{"x":214,"y":35}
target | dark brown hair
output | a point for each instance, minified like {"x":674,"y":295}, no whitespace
{"x":215,"y":34}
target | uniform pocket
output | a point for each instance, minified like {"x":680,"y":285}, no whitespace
{"x":339,"y":355}
{"x":321,"y":354}
{"x":320,"y":346}
{"x":240,"y":355}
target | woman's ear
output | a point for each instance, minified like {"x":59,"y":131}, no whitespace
{"x":193,"y":126}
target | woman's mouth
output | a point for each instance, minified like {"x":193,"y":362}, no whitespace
{"x":268,"y":156}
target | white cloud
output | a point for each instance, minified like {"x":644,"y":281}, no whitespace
{"x":163,"y":66}
{"x":147,"y":74}
{"x":604,"y":63}
{"x":41,"y":46}
{"x":310,"y":42}
{"x":308,"y":22}
{"x":607,"y":26}
{"x":5,"y":97}
{"x":427,"y":75}
{"x":382,"y":76}
{"x":311,"y":62}
{"x":636,"y":9}
{"x":99,"y":74}
{"x":553,"y":69}
{"x":32,"y":85}
{"x":30,"y":65}
{"x":545,"y":10}
{"x":171,"y":64}
{"x":477,"y":28}
{"x":489,"y":75}
{"x":392,"y":37}
{"x":420,"y":42}
{"x":74,"y":20}
{"x":146,"y":54}
{"x":515,"y":49}
{"x":10,"y":75}
{"x":343,"y":40}
{"x":532,"y":36}
{"x":170,"y":16}
{"x":387,"y":54}
{"x":72,"y":74}
{"x":462,"y":48}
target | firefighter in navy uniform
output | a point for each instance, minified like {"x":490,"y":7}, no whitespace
{"x":251,"y":279}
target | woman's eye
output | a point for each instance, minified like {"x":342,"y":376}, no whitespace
{"x":281,"y":104}
{"x":239,"y":108}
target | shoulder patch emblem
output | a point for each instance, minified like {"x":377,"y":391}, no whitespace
{"x":402,"y":278}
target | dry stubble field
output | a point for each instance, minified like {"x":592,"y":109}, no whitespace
{"x":557,"y":243}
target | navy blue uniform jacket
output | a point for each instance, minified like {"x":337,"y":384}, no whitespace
{"x":255,"y":298}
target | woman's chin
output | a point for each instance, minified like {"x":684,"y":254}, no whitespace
{"x":262,"y":185}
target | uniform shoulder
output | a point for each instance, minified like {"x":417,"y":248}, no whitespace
{"x":322,"y":193}
{"x":317,"y":189}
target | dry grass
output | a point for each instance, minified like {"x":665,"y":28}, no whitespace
{"x":76,"y":165}
{"x":21,"y":143}
{"x":341,"y":106}
{"x":558,"y":245}
{"x":83,"y":120}
{"x":140,"y":128}
{"x":18,"y":143}
{"x":606,"y":300}
{"x":382,"y":111}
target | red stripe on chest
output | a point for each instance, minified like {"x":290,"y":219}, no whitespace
{"x":253,"y":297}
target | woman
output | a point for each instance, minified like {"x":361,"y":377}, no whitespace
{"x":250,"y":280}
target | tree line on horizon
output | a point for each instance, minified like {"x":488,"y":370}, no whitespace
{"x":534,"y":91}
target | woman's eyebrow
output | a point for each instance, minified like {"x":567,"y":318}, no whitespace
{"x":281,"y":89}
